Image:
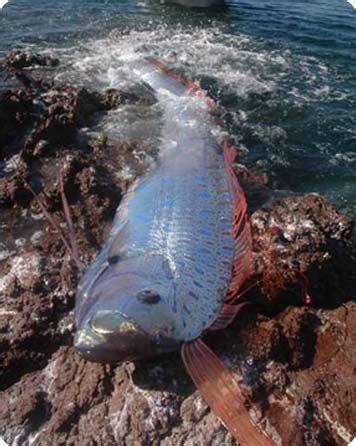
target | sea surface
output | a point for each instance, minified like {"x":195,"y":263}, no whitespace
{"x":284,"y":70}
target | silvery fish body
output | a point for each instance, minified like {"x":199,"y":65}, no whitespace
{"x":163,"y":273}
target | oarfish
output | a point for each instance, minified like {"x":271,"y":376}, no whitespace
{"x":177,"y":255}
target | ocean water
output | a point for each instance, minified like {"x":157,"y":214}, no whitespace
{"x":284,"y":70}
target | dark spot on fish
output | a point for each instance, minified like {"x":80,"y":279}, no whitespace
{"x":186,"y":309}
{"x":189,"y":257}
{"x":193,"y":295}
{"x":199,"y":285}
{"x":148,"y":297}
{"x":174,"y":307}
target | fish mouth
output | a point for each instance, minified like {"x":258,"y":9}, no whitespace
{"x":112,"y":337}
{"x":111,"y":322}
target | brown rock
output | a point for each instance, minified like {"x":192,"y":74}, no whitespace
{"x":23,"y":59}
{"x":304,"y":239}
{"x":16,"y":108}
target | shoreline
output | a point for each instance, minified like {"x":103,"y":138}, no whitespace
{"x":286,"y":353}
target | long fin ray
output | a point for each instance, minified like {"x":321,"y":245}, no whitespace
{"x":221,"y":391}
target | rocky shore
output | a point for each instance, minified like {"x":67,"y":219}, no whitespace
{"x":293,"y":351}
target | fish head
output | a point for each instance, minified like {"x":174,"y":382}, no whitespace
{"x":126,"y":311}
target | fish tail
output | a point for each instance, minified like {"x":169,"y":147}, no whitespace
{"x":222,"y":393}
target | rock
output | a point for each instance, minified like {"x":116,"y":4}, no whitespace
{"x":301,"y":400}
{"x":25,"y":270}
{"x":65,"y":110}
{"x":13,"y":190}
{"x":112,"y":98}
{"x":302,"y":363}
{"x":304,"y":238}
{"x":16,"y":108}
{"x":23,"y":59}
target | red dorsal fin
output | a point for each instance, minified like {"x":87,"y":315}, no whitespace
{"x":230,"y":154}
{"x":242,"y":263}
{"x":221,"y":391}
{"x":194,"y":86}
{"x":240,"y":228}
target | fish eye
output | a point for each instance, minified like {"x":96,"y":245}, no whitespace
{"x":148,"y":297}
{"x":113,"y":260}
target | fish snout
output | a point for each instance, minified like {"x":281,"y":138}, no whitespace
{"x":111,"y":337}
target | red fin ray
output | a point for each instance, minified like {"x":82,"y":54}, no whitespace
{"x":243,"y":258}
{"x":242,"y":264}
{"x":221,"y":391}
{"x":240,"y":227}
{"x":231,"y":152}
{"x":193,"y":87}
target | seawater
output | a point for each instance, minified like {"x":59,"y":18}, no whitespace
{"x":284,"y":70}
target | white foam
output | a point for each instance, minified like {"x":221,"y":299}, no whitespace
{"x":229,"y":58}
{"x":267,"y":90}
{"x":2,"y":4}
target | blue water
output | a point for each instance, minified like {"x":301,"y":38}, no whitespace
{"x":284,"y":70}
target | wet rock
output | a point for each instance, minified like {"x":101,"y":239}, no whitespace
{"x":305,"y":239}
{"x":65,"y":110}
{"x":13,"y":190}
{"x":16,"y":108}
{"x":76,"y":402}
{"x":300,"y":371}
{"x":23,"y":59}
{"x":24,"y":270}
{"x":112,"y":98}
